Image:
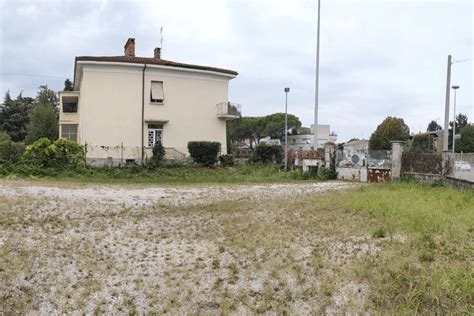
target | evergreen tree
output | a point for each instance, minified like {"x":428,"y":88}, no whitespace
{"x":433,"y":126}
{"x":14,"y":116}
{"x":391,"y":129}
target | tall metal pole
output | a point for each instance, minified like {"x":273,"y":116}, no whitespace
{"x":316,"y":90}
{"x":454,"y":114}
{"x":446,"y":106}
{"x":286,"y":131}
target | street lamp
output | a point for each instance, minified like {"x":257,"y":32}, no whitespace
{"x":454,"y":114}
{"x":286,"y":128}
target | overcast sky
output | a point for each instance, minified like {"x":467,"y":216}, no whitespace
{"x":378,"y":58}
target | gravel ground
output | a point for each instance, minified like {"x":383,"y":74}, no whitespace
{"x":239,"y":249}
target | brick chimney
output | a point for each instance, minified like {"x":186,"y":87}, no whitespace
{"x":158,"y":53}
{"x":129,"y":48}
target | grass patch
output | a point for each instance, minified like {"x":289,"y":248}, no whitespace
{"x":241,"y":173}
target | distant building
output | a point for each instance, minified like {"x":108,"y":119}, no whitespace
{"x":305,"y":141}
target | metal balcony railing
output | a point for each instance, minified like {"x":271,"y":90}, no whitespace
{"x":229,"y":110}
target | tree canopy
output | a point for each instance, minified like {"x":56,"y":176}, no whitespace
{"x":466,"y":143}
{"x":68,"y":85}
{"x":254,"y":128}
{"x":433,"y":126}
{"x":43,"y":124}
{"x":391,"y":129}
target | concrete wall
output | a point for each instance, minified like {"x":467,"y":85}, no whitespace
{"x":110,"y":108}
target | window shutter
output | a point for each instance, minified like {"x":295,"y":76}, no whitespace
{"x":157,"y":91}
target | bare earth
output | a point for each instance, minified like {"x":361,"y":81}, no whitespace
{"x":239,"y":249}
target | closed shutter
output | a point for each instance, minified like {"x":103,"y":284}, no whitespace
{"x":157,"y":94}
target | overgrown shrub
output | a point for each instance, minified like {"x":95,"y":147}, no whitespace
{"x":10,"y":152}
{"x":204,"y":152}
{"x":327,"y":173}
{"x":58,"y":154}
{"x":266,"y":153}
{"x":226,"y":160}
{"x":158,"y":153}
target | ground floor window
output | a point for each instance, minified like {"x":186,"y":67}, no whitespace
{"x":155,"y":134}
{"x":69,"y":132}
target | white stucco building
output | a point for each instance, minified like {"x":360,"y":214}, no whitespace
{"x":122,"y":105}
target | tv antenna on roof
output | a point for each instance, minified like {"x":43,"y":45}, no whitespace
{"x":161,"y":39}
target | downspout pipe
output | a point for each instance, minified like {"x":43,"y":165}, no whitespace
{"x":143,"y":113}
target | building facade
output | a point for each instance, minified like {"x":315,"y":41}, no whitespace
{"x":122,"y":105}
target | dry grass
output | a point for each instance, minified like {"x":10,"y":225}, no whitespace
{"x":317,"y":253}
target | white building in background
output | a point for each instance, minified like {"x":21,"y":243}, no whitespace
{"x":122,"y":105}
{"x":305,"y":141}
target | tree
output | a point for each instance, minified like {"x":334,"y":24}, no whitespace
{"x":466,"y":143}
{"x":461,"y":122}
{"x":14,"y":116}
{"x":391,"y":129}
{"x":423,"y":142}
{"x":43,"y":124}
{"x":433,"y":126}
{"x":68,"y":85}
{"x":245,"y":128}
{"x":275,"y":125}
{"x":47,"y":96}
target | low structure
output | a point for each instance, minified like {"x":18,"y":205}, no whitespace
{"x":122,"y":105}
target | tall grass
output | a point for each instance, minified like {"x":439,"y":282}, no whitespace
{"x":434,"y":270}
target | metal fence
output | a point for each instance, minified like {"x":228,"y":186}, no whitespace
{"x":379,"y":159}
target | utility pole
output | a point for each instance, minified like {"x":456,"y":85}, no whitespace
{"x":454,"y":115}
{"x":446,"y":106}
{"x":316,"y":90}
{"x":286,"y":128}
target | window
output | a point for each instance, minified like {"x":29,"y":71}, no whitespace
{"x":157,"y":95}
{"x":69,"y":132}
{"x":155,"y":133}
{"x":70,"y":104}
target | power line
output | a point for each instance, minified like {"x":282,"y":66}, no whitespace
{"x":29,"y":75}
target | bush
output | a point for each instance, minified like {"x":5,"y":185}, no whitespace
{"x":158,"y":153}
{"x":58,"y":154}
{"x":10,"y":152}
{"x":226,"y":160}
{"x":266,"y":153}
{"x":327,"y":174}
{"x":203,"y":152}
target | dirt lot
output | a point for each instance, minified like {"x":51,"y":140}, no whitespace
{"x":188,"y":249}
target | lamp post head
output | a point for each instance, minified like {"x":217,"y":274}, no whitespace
{"x":455,"y":87}
{"x":287,"y":90}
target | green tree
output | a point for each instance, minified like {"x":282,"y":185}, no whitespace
{"x":275,"y":125}
{"x":245,"y":128}
{"x":14,"y":116}
{"x":423,"y":142}
{"x":433,"y":126}
{"x":43,"y":124}
{"x":68,"y":85}
{"x":391,"y":129}
{"x":466,"y":143}
{"x":47,"y":96}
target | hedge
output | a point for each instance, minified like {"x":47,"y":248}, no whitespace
{"x":204,"y":152}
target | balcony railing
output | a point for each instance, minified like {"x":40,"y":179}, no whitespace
{"x":229,"y":110}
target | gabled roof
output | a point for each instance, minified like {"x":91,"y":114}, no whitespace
{"x":153,"y":61}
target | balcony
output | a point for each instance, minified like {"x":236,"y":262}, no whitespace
{"x":228,"y":110}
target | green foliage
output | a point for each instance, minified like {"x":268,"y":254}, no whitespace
{"x":58,"y":154}
{"x":43,"y":123}
{"x":68,"y":85}
{"x":433,"y":126}
{"x":275,"y":125}
{"x":10,"y":152}
{"x":466,"y":143}
{"x":391,"y":129}
{"x":14,"y":116}
{"x":158,"y":153}
{"x":204,"y":152}
{"x":327,"y":173}
{"x":380,"y":233}
{"x":266,"y":153}
{"x":47,"y":96}
{"x":423,"y":142}
{"x":254,"y":128}
{"x":226,"y":160}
